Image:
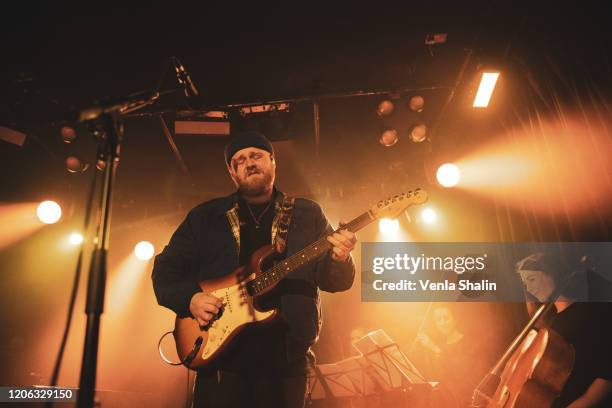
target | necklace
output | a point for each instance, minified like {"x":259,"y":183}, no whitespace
{"x":257,"y":220}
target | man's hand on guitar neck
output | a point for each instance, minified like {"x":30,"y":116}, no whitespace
{"x":204,"y":307}
{"x":343,"y":242}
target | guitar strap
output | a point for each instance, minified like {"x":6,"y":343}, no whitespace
{"x":280,"y":231}
{"x":282,"y":221}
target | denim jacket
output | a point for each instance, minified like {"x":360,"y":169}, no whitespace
{"x":206,"y":245}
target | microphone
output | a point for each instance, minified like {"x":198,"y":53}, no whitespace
{"x":189,"y":88}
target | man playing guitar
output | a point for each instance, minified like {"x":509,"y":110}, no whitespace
{"x":266,"y":365}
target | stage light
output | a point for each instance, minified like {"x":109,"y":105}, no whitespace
{"x":448,"y":175}
{"x":68,"y":134}
{"x":18,"y":220}
{"x":388,"y":226}
{"x":416,"y":103}
{"x":388,"y":138}
{"x":418,"y":133}
{"x":74,"y":164}
{"x":75,"y":239}
{"x":485,"y":89}
{"x":276,"y":107}
{"x":144,"y":250}
{"x":100,"y":165}
{"x":12,"y":136}
{"x":437,"y":38}
{"x":429,"y":216}
{"x":49,"y":212}
{"x":385,"y":108}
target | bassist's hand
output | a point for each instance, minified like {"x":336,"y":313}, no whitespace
{"x":204,"y":307}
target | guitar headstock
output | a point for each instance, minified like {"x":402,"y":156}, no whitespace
{"x":394,"y":206}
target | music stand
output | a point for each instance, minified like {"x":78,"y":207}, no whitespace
{"x":346,"y":378}
{"x":380,"y":367}
{"x":390,"y":368}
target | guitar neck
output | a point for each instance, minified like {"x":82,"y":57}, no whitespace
{"x":269,"y":278}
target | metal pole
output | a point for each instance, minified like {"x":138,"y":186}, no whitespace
{"x":108,"y":153}
{"x":307,"y":98}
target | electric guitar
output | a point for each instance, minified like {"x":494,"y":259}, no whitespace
{"x":244,"y":290}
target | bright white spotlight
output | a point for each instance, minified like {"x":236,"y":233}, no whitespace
{"x":388,"y":226}
{"x":448,"y":175}
{"x":144,"y":250}
{"x":75,"y":239}
{"x":428,"y":215}
{"x":485,"y":89}
{"x":49,"y":212}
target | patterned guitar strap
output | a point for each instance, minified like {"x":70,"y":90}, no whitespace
{"x":280,"y":229}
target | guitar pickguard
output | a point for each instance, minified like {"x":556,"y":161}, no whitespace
{"x":238,"y":310}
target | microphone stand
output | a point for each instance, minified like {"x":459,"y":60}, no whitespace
{"x":106,"y":126}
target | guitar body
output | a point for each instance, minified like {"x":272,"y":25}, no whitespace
{"x":240,"y":310}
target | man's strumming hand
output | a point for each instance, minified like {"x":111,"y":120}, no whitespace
{"x":204,"y":307}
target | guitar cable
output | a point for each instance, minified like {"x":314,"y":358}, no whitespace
{"x":188,"y":394}
{"x":188,"y":358}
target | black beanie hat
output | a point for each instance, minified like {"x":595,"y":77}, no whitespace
{"x":246,"y":139}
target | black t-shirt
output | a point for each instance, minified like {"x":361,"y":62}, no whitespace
{"x":586,"y":327}
{"x":259,"y":350}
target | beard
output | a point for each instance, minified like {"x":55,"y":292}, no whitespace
{"x":256,"y":184}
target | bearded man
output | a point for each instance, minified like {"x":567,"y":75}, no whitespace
{"x":265,"y":366}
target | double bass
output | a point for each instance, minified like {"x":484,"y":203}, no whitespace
{"x":531,"y":373}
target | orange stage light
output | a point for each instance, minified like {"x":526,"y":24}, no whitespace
{"x":144,"y":250}
{"x":448,"y":175}
{"x":124,"y":283}
{"x":18,"y":221}
{"x":555,"y":167}
{"x":49,"y":212}
{"x":428,"y":215}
